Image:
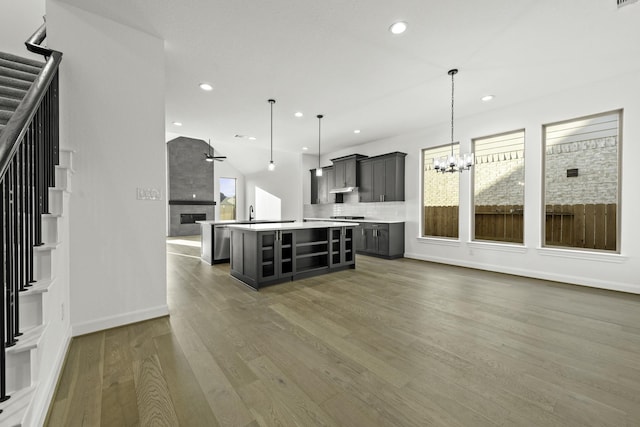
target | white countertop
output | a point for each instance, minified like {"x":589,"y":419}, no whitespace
{"x":369,"y":221}
{"x":292,"y":225}
{"x":240,"y":221}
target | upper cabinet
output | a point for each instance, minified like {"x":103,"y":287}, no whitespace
{"x":382,"y":178}
{"x":345,"y":170}
{"x":322,"y":185}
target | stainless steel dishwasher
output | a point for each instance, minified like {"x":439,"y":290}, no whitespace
{"x":221,"y":243}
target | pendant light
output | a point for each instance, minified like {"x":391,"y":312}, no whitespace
{"x":272,"y":165}
{"x":453,"y":163}
{"x":319,"y":170}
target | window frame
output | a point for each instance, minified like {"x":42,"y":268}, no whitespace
{"x":472,"y":195}
{"x":422,"y":193}
{"x":235,"y":186}
{"x":543,"y":193}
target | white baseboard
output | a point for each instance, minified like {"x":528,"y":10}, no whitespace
{"x":119,"y":320}
{"x":536,"y":274}
{"x":39,"y":412}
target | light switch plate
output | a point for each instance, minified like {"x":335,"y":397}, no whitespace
{"x":148,"y":194}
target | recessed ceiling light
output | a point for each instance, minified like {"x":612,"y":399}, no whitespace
{"x":252,"y":138}
{"x":177,"y":123}
{"x":487,"y":98}
{"x":305,"y":148}
{"x":356,"y":131}
{"x":398,"y":27}
{"x":298,"y":114}
{"x":206,"y":86}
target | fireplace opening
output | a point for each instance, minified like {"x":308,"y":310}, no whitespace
{"x":191,"y":218}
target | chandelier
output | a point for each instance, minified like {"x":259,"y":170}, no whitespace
{"x":453,"y":163}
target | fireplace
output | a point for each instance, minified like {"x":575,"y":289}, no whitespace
{"x":191,"y":218}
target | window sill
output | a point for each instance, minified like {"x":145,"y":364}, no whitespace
{"x":583,"y":255}
{"x":499,"y":247}
{"x":439,"y":241}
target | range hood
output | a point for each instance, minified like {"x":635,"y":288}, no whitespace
{"x":342,"y":190}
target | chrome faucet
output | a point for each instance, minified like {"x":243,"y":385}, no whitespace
{"x":251,"y":213}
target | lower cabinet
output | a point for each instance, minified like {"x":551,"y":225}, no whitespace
{"x":380,"y":239}
{"x":275,"y":255}
{"x":341,"y":247}
{"x":262,"y":258}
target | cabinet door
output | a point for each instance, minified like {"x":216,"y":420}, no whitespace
{"x":331,"y":184}
{"x":339,"y":172}
{"x":322,"y":187}
{"x":390,"y":179}
{"x":365,"y":190}
{"x":314,"y":187}
{"x":267,"y":256}
{"x":370,"y":240}
{"x":359,"y":240}
{"x":285,"y":254}
{"x":350,"y":173}
{"x":379,"y":180}
{"x":382,"y":236}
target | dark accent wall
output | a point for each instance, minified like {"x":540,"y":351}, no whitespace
{"x":189,"y":174}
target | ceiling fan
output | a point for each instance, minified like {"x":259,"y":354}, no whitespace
{"x":209,"y":157}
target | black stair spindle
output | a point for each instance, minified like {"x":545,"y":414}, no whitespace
{"x":9,"y":262}
{"x":16,"y":249}
{"x":3,"y":243}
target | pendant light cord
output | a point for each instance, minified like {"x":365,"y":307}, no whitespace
{"x":271,"y":101}
{"x":452,"y":73}
{"x":320,"y":116}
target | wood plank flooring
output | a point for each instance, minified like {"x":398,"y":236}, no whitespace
{"x":391,"y":343}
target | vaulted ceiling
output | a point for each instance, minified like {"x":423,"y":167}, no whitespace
{"x":337,"y":57}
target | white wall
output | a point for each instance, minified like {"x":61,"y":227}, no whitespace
{"x":610,"y":271}
{"x":20,"y":19}
{"x":112,"y":101}
{"x":279,"y":183}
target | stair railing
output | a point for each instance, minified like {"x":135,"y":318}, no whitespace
{"x":28,"y":154}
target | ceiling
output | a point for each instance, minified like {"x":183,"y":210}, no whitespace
{"x":337,"y":58}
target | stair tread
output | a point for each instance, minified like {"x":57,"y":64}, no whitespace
{"x":20,"y":66}
{"x":10,"y":92}
{"x":15,"y":408}
{"x":39,"y":287}
{"x":17,"y":74}
{"x":14,"y":83}
{"x":46,"y":247}
{"x":9,"y":103}
{"x":28,"y":340}
{"x":20,"y":59}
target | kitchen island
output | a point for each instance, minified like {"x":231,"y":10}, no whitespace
{"x":215,"y":237}
{"x":266,"y":254}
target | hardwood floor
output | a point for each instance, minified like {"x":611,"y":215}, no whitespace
{"x":391,"y":343}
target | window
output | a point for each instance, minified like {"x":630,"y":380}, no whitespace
{"x":582,"y":181}
{"x":498,"y":187}
{"x":441,"y":195}
{"x":227,"y":198}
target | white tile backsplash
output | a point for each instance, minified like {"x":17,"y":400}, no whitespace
{"x":389,"y":211}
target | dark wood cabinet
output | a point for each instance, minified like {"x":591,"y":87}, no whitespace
{"x":341,"y":247}
{"x":346,"y":170}
{"x":385,"y":240}
{"x":262,"y":258}
{"x":322,"y":185}
{"x":382,"y":178}
{"x":275,"y":255}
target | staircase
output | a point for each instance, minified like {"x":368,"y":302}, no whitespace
{"x":35,"y":362}
{"x":16,"y":76}
{"x":34,"y":255}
